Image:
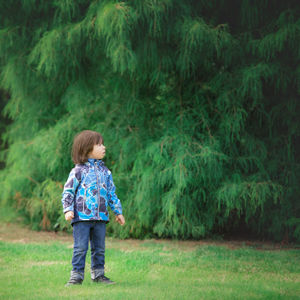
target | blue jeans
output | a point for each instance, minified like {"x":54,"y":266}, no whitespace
{"x":83,"y":232}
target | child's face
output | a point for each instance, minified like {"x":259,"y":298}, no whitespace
{"x":98,"y":152}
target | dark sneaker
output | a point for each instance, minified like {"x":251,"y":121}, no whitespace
{"x":76,"y":278}
{"x":73,"y":282}
{"x":103,"y":279}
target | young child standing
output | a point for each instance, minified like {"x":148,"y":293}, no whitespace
{"x":87,"y":193}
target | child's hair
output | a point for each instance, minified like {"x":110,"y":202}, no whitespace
{"x":83,"y":144}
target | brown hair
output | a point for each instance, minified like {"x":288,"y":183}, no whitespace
{"x":83,"y":144}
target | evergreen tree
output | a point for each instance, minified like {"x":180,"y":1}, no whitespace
{"x":3,"y":123}
{"x":197,"y":102}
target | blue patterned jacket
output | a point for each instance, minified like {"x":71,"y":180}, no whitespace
{"x":89,"y":190}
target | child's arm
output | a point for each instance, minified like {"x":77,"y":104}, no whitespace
{"x":68,"y":194}
{"x":114,"y":202}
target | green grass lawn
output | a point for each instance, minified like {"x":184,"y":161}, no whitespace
{"x":39,"y":270}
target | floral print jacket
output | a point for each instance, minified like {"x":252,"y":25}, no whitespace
{"x":89,"y":190}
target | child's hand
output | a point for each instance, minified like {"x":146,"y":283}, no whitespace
{"x":69,"y":215}
{"x":120,"y":219}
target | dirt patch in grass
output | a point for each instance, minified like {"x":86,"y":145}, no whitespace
{"x":16,"y":233}
{"x":44,"y":263}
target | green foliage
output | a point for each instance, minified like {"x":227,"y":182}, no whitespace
{"x":197,"y":102}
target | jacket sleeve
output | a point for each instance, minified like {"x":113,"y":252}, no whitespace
{"x":113,"y":200}
{"x":70,"y":188}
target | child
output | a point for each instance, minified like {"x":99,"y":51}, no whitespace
{"x":87,"y":192}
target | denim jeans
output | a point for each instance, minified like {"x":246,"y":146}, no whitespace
{"x":83,"y":232}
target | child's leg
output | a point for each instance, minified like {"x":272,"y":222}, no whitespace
{"x":97,"y":237}
{"x":81,"y":234}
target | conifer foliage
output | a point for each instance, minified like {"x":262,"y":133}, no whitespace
{"x":198,"y":103}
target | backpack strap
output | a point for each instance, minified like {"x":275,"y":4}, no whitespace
{"x":80,"y":179}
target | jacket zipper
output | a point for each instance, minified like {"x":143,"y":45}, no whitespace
{"x":98,"y":198}
{"x":84,"y":198}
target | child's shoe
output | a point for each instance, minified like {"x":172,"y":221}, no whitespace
{"x":76,"y":278}
{"x":103,"y":279}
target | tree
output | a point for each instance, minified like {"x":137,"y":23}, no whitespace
{"x":197,"y":102}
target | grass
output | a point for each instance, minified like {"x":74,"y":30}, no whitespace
{"x":154,"y":271}
{"x":37,"y":265}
